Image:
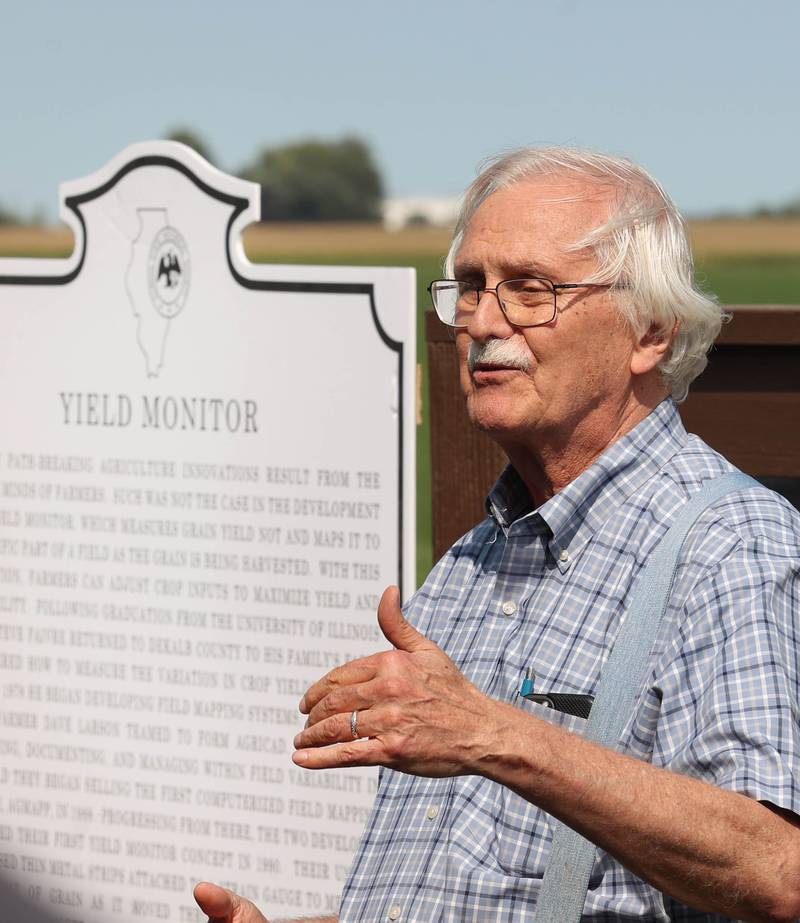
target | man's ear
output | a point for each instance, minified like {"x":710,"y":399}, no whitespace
{"x":651,"y":348}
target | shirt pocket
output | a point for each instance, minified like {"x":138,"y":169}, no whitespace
{"x":524,"y":832}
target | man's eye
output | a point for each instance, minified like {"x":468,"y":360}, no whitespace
{"x":526,"y":287}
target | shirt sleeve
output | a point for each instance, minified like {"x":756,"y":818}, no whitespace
{"x":730,"y":695}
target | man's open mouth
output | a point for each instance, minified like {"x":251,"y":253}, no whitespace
{"x":495,"y":367}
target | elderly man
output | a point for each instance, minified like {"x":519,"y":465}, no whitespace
{"x":577,"y":328}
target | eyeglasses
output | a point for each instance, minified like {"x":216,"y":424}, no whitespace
{"x":525,"y":302}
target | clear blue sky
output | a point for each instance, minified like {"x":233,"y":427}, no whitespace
{"x":704,"y":94}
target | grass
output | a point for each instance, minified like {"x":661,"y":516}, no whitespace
{"x":751,"y":279}
{"x":741,"y":261}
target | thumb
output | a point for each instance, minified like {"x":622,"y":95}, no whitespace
{"x":224,"y":906}
{"x":217,"y":903}
{"x":394,"y":626}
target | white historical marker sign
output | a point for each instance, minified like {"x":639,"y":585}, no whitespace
{"x":206,"y":480}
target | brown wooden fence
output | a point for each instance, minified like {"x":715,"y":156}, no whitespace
{"x":746,"y":405}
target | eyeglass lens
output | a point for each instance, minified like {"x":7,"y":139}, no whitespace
{"x":526,"y":302}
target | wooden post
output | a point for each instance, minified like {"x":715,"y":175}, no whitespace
{"x":746,"y":405}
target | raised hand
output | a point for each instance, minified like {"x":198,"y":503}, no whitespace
{"x":416,"y":711}
{"x":223,"y":906}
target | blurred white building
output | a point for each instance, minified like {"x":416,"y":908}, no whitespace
{"x":400,"y":212}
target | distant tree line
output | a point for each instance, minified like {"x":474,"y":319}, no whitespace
{"x":310,"y":179}
{"x":790,"y":210}
{"x":9,"y":217}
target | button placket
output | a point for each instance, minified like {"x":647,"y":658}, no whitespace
{"x":507,"y":582}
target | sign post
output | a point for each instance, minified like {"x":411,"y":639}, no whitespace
{"x":206,"y":480}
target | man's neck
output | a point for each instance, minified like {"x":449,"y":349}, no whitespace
{"x":547,"y":461}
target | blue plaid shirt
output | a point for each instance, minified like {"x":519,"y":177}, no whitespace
{"x":547,"y":589}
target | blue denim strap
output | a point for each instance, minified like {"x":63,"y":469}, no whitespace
{"x":566,"y":879}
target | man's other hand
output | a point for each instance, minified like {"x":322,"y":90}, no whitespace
{"x":223,"y":906}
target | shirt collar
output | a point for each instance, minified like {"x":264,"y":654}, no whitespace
{"x":509,"y":501}
{"x":575,"y":513}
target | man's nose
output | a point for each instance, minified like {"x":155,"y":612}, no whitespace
{"x":488,"y":320}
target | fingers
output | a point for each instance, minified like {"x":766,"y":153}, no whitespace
{"x":347,"y":687}
{"x":332,"y":730}
{"x":367,"y":752}
{"x":345,"y":700}
{"x":350,"y":674}
{"x":400,"y":633}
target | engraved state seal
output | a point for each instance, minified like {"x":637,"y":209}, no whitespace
{"x":168,"y":272}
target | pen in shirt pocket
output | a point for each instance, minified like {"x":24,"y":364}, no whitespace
{"x":568,"y":702}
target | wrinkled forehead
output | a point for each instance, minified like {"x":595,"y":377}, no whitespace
{"x":547,"y":215}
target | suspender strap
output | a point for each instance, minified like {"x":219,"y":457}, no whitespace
{"x":566,"y":879}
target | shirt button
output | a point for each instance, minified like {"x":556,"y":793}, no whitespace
{"x":564,"y":556}
{"x":394,"y":913}
{"x":433,"y":812}
{"x":509,"y":608}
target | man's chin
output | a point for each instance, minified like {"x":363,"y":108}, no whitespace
{"x":494,"y":421}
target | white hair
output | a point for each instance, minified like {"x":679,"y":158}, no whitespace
{"x":642,"y":251}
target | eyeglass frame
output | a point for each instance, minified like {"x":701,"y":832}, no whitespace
{"x":482,"y":291}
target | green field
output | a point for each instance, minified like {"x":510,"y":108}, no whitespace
{"x":741,"y":262}
{"x":751,"y":279}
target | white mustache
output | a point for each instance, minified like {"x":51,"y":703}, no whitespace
{"x":505,"y":353}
